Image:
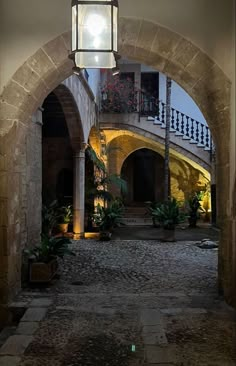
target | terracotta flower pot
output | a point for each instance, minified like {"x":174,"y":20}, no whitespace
{"x":63,"y":228}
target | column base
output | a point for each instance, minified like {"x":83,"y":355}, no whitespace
{"x":78,"y":236}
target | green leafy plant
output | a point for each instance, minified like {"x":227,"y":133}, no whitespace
{"x":49,"y":217}
{"x":49,"y":248}
{"x":194,"y":208}
{"x":168,"y":214}
{"x":97,"y":184}
{"x":64,"y":214}
{"x":107,"y":218}
{"x":151,"y":209}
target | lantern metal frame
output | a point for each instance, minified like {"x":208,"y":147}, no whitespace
{"x":112,"y":4}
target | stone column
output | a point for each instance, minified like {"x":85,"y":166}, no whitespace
{"x":213,"y":188}
{"x":78,"y":194}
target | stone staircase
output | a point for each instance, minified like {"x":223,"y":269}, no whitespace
{"x":182,"y":125}
{"x":136,"y":216}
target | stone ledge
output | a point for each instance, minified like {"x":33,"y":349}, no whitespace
{"x":9,"y":361}
{"x":15,"y":345}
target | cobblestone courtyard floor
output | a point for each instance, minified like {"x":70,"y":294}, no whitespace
{"x":126,"y":303}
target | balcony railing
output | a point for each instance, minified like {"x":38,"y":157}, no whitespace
{"x":187,"y":127}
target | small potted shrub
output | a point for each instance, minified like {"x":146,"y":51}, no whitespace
{"x":168,"y":215}
{"x":64,"y":218}
{"x":151,"y":209}
{"x":49,"y":217}
{"x":194,"y":208}
{"x":107,"y":218}
{"x":43,"y":262}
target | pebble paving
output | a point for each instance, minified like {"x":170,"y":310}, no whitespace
{"x":127,"y":303}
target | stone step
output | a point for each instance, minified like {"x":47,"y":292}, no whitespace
{"x":137,"y":221}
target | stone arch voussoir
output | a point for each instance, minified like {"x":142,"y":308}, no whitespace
{"x":72,"y":116}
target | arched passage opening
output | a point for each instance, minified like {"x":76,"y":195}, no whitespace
{"x":143,"y":171}
{"x":57,"y":154}
{"x":147,"y":43}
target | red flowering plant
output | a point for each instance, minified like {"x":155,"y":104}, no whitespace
{"x":119,"y":95}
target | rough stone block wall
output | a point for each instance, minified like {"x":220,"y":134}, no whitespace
{"x":33,"y":183}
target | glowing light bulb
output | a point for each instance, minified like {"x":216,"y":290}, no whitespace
{"x":96,"y":58}
{"x":96,"y":24}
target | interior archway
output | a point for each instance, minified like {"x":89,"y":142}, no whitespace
{"x":145,"y":42}
{"x":143,"y":171}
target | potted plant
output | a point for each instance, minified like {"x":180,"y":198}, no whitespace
{"x":97,"y":184}
{"x":107,"y":218}
{"x":43,"y":262}
{"x":49,"y":217}
{"x":194,"y":207}
{"x":168,"y":215}
{"x":64,"y":218}
{"x":151,"y":209}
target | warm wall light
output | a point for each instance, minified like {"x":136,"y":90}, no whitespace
{"x":94,"y":33}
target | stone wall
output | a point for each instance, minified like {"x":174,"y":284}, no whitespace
{"x":34,"y":180}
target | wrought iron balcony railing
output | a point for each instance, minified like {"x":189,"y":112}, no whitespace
{"x":187,"y":127}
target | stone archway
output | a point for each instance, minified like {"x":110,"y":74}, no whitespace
{"x":72,"y":116}
{"x":147,"y":43}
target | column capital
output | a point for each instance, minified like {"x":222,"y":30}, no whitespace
{"x":78,"y":145}
{"x":79,"y":154}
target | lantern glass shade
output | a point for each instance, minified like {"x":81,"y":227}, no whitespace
{"x":94,"y":33}
{"x":95,"y":60}
{"x":94,"y":27}
{"x":74,"y":32}
{"x":115,"y":29}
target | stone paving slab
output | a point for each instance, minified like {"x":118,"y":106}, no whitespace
{"x":155,"y":338}
{"x":34,"y":315}
{"x":27,"y":328}
{"x":18,"y":304}
{"x":160,"y":355}
{"x":40,"y":303}
{"x":9,"y":361}
{"x":6,"y":332}
{"x":150,"y":317}
{"x":177,"y":311}
{"x":15,"y":345}
{"x":162,"y":364}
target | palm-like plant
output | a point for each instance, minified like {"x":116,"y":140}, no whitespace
{"x":107,"y":218}
{"x":65,"y":214}
{"x":168,"y":214}
{"x":194,"y":208}
{"x":49,"y":248}
{"x":96,"y":186}
{"x":49,"y":217}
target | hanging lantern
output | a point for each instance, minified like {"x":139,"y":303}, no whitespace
{"x":94,"y":33}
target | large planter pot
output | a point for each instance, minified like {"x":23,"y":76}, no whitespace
{"x":156,"y":223}
{"x":192,"y":222}
{"x":168,"y":235}
{"x":40,"y":272}
{"x":63,"y":228}
{"x":105,"y":235}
